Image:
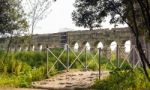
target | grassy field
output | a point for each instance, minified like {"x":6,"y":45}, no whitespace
{"x":19,"y":69}
{"x":124,"y":80}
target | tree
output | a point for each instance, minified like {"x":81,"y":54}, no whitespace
{"x":36,"y":10}
{"x":87,"y":15}
{"x":135,"y":13}
{"x":11,"y":17}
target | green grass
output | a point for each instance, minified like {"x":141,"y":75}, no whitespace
{"x":124,"y":80}
{"x":19,"y":69}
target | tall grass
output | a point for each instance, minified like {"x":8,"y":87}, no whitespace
{"x":124,"y":80}
{"x":21,"y":68}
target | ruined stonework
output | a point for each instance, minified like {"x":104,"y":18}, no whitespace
{"x":58,"y":40}
{"x":40,"y":42}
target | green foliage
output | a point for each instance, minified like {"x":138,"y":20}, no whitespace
{"x":124,"y":80}
{"x":21,"y":68}
{"x":34,"y":59}
{"x":12,"y":16}
{"x":87,"y":14}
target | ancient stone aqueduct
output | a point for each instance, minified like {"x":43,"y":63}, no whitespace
{"x":58,"y":40}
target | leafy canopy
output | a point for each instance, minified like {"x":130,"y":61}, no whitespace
{"x":91,"y":13}
{"x":135,"y":13}
{"x":12,"y":17}
{"x":88,"y":13}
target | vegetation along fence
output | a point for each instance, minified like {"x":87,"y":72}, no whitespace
{"x":97,"y":59}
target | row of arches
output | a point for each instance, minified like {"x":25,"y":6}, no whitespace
{"x":26,"y":48}
{"x":112,"y":46}
{"x":76,"y":46}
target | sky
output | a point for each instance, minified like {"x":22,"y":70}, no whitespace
{"x":59,"y":19}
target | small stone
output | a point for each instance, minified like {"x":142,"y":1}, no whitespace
{"x":68,"y":83}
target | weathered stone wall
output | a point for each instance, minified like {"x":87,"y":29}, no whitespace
{"x":58,"y":40}
{"x":106,"y":36}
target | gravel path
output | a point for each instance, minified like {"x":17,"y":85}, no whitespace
{"x":70,"y":80}
{"x":20,"y":89}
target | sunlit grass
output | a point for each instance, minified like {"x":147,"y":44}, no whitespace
{"x":19,"y":69}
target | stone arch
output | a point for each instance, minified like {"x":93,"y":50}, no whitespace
{"x":113,"y":45}
{"x":127,"y":45}
{"x":98,"y":44}
{"x":65,"y":46}
{"x":19,"y":48}
{"x":95,"y":43}
{"x":84,"y":42}
{"x":72,"y":43}
{"x":87,"y":45}
{"x":76,"y":46}
{"x":107,"y":43}
{"x":26,"y":48}
{"x":40,"y":47}
{"x":32,"y":47}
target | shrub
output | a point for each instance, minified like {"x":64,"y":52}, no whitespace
{"x":123,"y":80}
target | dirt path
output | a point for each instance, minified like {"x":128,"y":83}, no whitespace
{"x":20,"y":89}
{"x":70,"y":80}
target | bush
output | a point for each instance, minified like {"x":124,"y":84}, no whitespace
{"x":34,"y":59}
{"x":21,"y":68}
{"x":123,"y":80}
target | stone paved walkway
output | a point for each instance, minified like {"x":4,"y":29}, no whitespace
{"x":70,"y":80}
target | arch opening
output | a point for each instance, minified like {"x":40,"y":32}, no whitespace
{"x":26,"y":48}
{"x":127,"y":46}
{"x":33,"y":48}
{"x":100,"y":45}
{"x":76,"y":47}
{"x":87,"y":45}
{"x":19,"y":48}
{"x":40,"y":47}
{"x":113,"y":46}
{"x":65,"y":46}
